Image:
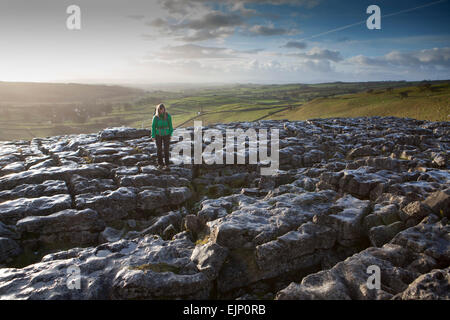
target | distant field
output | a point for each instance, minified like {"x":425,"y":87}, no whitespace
{"x":255,"y":102}
{"x":40,"y":110}
{"x":29,"y":110}
{"x":25,"y":94}
{"x":421,"y":103}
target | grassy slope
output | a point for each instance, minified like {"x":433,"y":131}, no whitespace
{"x":235,"y":103}
{"x":421,"y":104}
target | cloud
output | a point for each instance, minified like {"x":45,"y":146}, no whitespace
{"x":298,"y":3}
{"x":192,"y":51}
{"x":270,"y":30}
{"x":321,"y":66}
{"x":183,"y":6}
{"x":319,"y":54}
{"x":295,"y":45}
{"x":180,"y":7}
{"x":197,"y":52}
{"x":211,"y":20}
{"x":202,"y":35}
{"x":361,"y":60}
{"x":215,"y":19}
{"x":212,"y":25}
{"x":200,"y":20}
{"x":242,"y":5}
{"x":158,"y":23}
{"x":427,"y":58}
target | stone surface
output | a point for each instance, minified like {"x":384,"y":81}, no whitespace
{"x":414,"y":251}
{"x":294,"y":249}
{"x":110,"y":205}
{"x":349,"y":193}
{"x":382,"y":234}
{"x":14,"y":210}
{"x":148,"y":268}
{"x":46,"y":188}
{"x":8,"y":249}
{"x":434,"y":285}
{"x":8,"y":231}
{"x":68,"y":220}
{"x":439,"y":202}
{"x":123,"y":133}
{"x":162,"y":223}
{"x":346,"y":216}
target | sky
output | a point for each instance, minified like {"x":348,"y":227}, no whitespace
{"x":227,"y":41}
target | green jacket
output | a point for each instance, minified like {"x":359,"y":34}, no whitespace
{"x":162,"y":127}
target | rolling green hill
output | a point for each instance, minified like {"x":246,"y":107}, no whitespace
{"x":40,"y":110}
{"x":424,"y":103}
{"x":255,"y":102}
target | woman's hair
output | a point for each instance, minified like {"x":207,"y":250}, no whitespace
{"x":159,"y":113}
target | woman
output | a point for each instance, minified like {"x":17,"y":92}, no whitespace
{"x":161,"y":132}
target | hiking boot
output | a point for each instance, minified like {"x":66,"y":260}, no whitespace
{"x":166,"y":168}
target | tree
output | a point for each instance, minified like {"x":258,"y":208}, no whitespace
{"x":424,"y":86}
{"x":404,"y":94}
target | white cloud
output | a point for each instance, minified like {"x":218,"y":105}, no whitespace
{"x":197,"y":52}
{"x":200,"y":20}
{"x":317,"y":53}
{"x":427,"y":58}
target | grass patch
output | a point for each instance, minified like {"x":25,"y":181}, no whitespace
{"x":432,"y":105}
{"x":203,"y":240}
{"x":88,"y":159}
